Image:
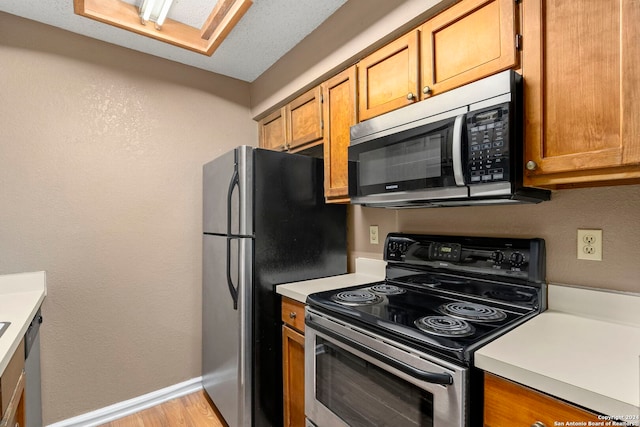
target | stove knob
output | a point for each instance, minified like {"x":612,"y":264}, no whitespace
{"x":393,"y":246}
{"x":497,"y":257}
{"x":404,"y":247}
{"x":516,"y":259}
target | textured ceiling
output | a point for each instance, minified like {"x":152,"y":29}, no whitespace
{"x":268,"y":30}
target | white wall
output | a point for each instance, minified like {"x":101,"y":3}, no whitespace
{"x":101,"y":150}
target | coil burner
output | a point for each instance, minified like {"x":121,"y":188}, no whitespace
{"x":385,"y":289}
{"x":472,"y":311}
{"x":356,"y":298}
{"x":444,"y":326}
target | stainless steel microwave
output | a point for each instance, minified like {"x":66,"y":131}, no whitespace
{"x":463,"y":147}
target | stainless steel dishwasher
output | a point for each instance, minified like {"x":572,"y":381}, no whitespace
{"x":33,"y":393}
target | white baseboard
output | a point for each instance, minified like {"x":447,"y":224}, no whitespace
{"x":131,"y":406}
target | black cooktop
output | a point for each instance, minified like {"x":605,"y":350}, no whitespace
{"x":444,"y":294}
{"x":396,"y":316}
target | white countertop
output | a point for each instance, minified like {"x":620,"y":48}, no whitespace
{"x":367,"y":271}
{"x":584,"y":349}
{"x":20,"y":297}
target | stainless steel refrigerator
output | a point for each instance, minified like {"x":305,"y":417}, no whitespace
{"x":265,"y":223}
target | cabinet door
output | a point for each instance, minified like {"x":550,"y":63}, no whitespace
{"x":510,"y":404}
{"x":273,"y":132}
{"x":582,"y":95}
{"x":340,"y":114}
{"x":388,"y":78}
{"x":293,"y":377}
{"x":468,"y":41}
{"x":304,"y":120}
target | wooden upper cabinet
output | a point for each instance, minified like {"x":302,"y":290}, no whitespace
{"x":388,"y":78}
{"x":340,"y":112}
{"x":273,"y":131}
{"x":304,"y":119}
{"x":296,"y":126}
{"x":582,"y":91}
{"x":468,"y":41}
{"x":509,"y":404}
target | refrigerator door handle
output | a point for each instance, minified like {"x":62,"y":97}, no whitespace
{"x":235,"y":182}
{"x":233,"y":290}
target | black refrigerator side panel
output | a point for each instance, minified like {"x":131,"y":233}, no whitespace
{"x":297,"y":237}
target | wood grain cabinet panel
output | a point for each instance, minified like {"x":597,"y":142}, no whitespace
{"x":388,"y":78}
{"x":293,"y":314}
{"x":296,"y":126}
{"x":340,"y":112}
{"x":293,"y":380}
{"x":468,"y":41}
{"x":509,"y":404}
{"x":293,"y":362}
{"x":582,"y":91}
{"x":12,"y":385}
{"x":272,"y":131}
{"x":304,"y":120}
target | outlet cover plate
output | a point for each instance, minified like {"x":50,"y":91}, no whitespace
{"x":589,"y":244}
{"x":373,"y":234}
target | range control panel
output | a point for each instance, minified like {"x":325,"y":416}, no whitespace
{"x":488,"y":145}
{"x":513,"y":257}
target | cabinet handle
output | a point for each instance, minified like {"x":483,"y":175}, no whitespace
{"x":293,"y":315}
{"x":531,"y":165}
{"x":411,"y":96}
{"x":538,"y":424}
{"x":426,"y":90}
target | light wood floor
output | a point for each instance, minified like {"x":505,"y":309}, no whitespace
{"x":192,"y":410}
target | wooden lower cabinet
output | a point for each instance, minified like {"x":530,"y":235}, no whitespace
{"x":12,"y":385}
{"x":509,"y":404}
{"x":293,"y":362}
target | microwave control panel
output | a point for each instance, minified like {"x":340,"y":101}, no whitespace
{"x":488,"y":145}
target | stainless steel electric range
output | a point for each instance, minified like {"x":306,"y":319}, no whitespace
{"x":400,"y":352}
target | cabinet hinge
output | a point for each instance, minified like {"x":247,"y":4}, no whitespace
{"x":321,"y":124}
{"x":518,"y":41}
{"x":321,"y":98}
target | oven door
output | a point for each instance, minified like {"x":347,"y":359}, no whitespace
{"x":355,"y":378}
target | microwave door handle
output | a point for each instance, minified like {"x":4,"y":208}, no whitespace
{"x":430,"y":377}
{"x":457,"y":150}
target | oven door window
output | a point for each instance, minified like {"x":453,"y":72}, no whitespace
{"x":362,"y":394}
{"x":415,"y":159}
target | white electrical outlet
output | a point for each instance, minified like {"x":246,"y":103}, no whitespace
{"x":373,"y":234}
{"x":590,"y":245}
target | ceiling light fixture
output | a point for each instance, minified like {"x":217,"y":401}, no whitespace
{"x":127,"y":15}
{"x":155,"y":11}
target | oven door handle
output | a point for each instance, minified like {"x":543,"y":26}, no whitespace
{"x":430,"y":377}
